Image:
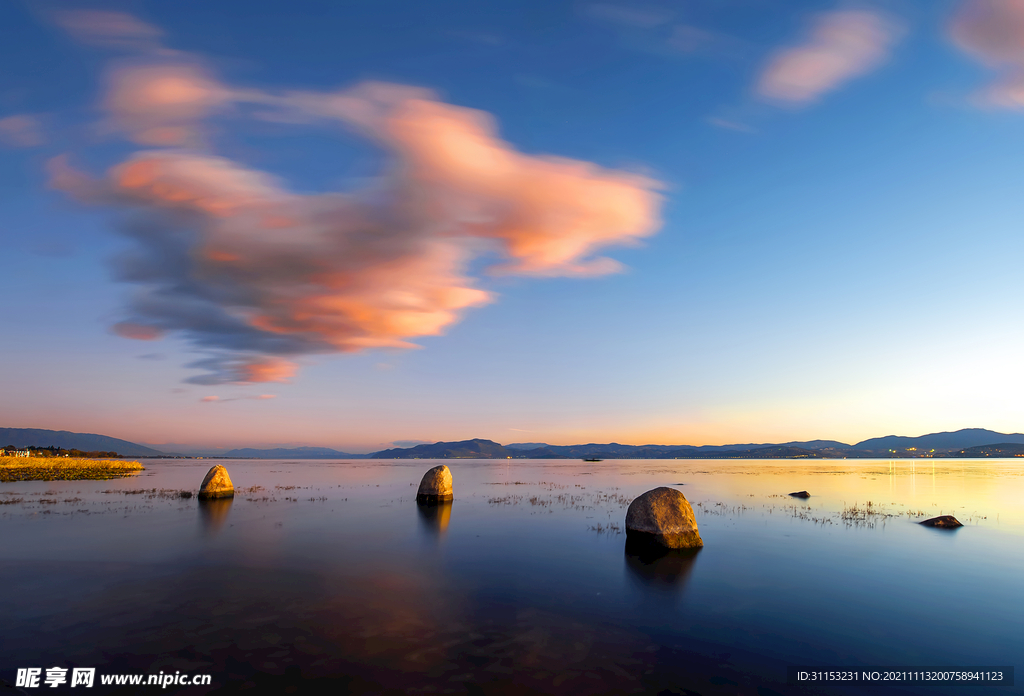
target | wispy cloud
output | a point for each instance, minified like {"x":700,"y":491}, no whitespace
{"x":691,"y":40}
{"x":257,"y":275}
{"x":633,"y":15}
{"x":140,"y":332}
{"x":841,"y":45}
{"x":482,"y":38}
{"x":410,"y":443}
{"x":728,"y":124}
{"x":992,"y":31}
{"x":108,"y":29}
{"x":217,"y":399}
{"x":653,"y":30}
{"x":21,"y":130}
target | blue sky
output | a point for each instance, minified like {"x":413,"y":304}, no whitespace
{"x":228,"y":223}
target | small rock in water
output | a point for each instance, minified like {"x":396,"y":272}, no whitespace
{"x":436,"y":486}
{"x":217,"y":484}
{"x":944,"y":521}
{"x":663,"y":516}
{"x":801,"y":494}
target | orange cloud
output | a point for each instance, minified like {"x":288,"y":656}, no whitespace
{"x":992,"y":31}
{"x":842,"y":45}
{"x":256,"y":274}
{"x":265,"y":370}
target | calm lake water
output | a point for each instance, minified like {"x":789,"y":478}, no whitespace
{"x":327,"y":573}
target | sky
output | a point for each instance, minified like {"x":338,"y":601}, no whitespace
{"x":362,"y":224}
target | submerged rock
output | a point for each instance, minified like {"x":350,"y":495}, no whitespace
{"x":436,"y":486}
{"x":663,"y":516}
{"x":217,"y":484}
{"x":944,"y":521}
{"x":801,"y":494}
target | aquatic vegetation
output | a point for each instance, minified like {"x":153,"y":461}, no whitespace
{"x":64,"y":469}
{"x":151,"y":493}
{"x":612,"y":529}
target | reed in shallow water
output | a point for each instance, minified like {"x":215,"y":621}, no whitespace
{"x":64,"y":469}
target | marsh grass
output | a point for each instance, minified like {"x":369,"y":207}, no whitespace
{"x":611,"y":529}
{"x":64,"y":469}
{"x":152,"y":493}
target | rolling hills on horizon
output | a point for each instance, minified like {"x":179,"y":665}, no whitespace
{"x":966,"y":442}
{"x":38,"y":437}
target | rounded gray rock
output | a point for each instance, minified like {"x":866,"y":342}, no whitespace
{"x":663,"y":516}
{"x":217,"y":484}
{"x":436,"y":486}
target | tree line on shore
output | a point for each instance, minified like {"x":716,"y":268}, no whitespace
{"x":52,"y":451}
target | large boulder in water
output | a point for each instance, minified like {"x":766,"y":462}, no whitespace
{"x":436,"y":486}
{"x":217,"y":484}
{"x":664,"y":517}
{"x":943,"y":521}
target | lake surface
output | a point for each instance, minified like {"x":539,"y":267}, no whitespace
{"x":328,"y":574}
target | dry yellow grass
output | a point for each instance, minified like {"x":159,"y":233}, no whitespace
{"x":64,"y":469}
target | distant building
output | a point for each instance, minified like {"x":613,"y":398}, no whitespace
{"x":18,"y":453}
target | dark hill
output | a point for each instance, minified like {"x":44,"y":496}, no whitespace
{"x":87,"y":442}
{"x":466,"y":449}
{"x":961,"y":439}
{"x":1003,"y":449}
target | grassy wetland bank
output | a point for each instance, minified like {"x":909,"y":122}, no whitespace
{"x":64,"y":469}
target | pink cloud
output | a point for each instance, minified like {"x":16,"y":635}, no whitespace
{"x":139,"y":332}
{"x":992,"y":31}
{"x":261,"y":397}
{"x":21,"y":130}
{"x":109,"y":29}
{"x":261,"y":274}
{"x":163,"y":104}
{"x":842,"y":45}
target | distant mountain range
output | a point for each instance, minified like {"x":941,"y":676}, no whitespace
{"x":961,"y":439}
{"x":970,"y":442}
